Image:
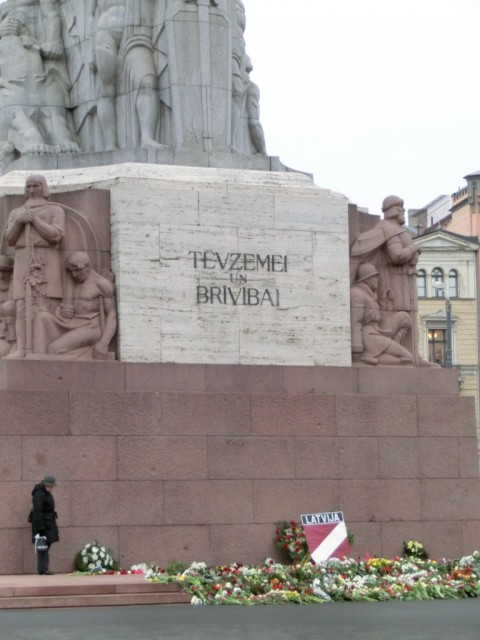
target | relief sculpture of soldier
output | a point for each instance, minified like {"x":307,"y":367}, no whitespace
{"x":35,"y":230}
{"x":123,"y":59}
{"x":7,"y":307}
{"x":245,"y":94}
{"x":86,"y":321}
{"x":376,"y":337}
{"x":389,"y":246}
{"x":34,"y":82}
{"x":59,"y":310}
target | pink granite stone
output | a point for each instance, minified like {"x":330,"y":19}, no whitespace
{"x":69,"y":457}
{"x":162,"y":457}
{"x":31,"y":412}
{"x":278,"y":500}
{"x":208,"y":502}
{"x":440,"y":539}
{"x":245,"y":544}
{"x":10,"y":458}
{"x":115,"y":413}
{"x":164,"y":545}
{"x":407,"y":381}
{"x":167,"y":376}
{"x":94,"y":204}
{"x":446,"y":416}
{"x":117,"y":503}
{"x":376,"y":415}
{"x":451,"y":499}
{"x":439,"y":457}
{"x":205,"y":413}
{"x":11,"y":556}
{"x":51,"y":375}
{"x":399,"y":457}
{"x":471,"y":535}
{"x":380,"y":500}
{"x":250,"y":457}
{"x":15,"y":504}
{"x":367,"y":538}
{"x":336,"y":458}
{"x":468,"y":457}
{"x":244,"y":378}
{"x":321,"y":380}
{"x":293,"y":414}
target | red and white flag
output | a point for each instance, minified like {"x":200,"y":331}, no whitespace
{"x":326,"y":535}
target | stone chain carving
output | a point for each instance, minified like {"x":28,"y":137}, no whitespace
{"x":96,"y":75}
{"x":51,"y":306}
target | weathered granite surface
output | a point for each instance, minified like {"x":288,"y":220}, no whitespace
{"x":199,"y":462}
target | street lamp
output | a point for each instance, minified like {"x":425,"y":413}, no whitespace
{"x":440,"y":286}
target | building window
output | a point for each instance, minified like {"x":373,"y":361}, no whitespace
{"x":453,"y":284}
{"x":422,"y":284}
{"x":437,"y":278}
{"x":437,"y":345}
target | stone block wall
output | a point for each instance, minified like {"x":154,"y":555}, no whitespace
{"x":220,"y":266}
{"x":171,"y":462}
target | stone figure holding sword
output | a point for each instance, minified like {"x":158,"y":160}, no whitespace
{"x":35,"y":230}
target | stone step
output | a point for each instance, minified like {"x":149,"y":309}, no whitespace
{"x":36,"y":592}
{"x":93,"y":600}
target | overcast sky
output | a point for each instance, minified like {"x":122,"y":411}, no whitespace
{"x":371,"y":96}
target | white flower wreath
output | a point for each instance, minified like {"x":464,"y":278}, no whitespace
{"x":95,"y":557}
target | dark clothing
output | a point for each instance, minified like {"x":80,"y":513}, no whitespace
{"x":43,"y":518}
{"x":44,"y":515}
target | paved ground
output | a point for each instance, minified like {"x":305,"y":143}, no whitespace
{"x":448,"y":620}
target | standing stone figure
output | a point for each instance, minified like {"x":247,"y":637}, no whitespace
{"x":245,"y":94}
{"x":35,"y":230}
{"x":7,"y":307}
{"x":34,"y":82}
{"x":125,"y":65}
{"x":86,"y":321}
{"x":389,"y":246}
{"x":376,"y":337}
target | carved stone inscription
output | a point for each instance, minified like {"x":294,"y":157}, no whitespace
{"x":238,"y":267}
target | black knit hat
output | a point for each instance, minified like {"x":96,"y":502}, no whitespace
{"x":49,"y":481}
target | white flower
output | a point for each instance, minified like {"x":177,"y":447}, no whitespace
{"x":91,"y":565}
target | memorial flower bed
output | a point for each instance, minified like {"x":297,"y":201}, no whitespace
{"x":369,"y":579}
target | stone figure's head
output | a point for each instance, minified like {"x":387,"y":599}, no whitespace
{"x":36,"y":187}
{"x":78,"y":265}
{"x":392,"y":207}
{"x":6,"y":268}
{"x":368,"y":273}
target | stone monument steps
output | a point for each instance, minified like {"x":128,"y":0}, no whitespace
{"x":63,"y":590}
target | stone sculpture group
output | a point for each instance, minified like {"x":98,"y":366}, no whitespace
{"x":383,"y":297}
{"x":50,"y":305}
{"x":94,"y":75}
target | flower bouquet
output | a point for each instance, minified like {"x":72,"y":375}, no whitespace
{"x":95,"y":558}
{"x":290,"y":538}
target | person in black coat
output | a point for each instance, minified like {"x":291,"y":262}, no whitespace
{"x":43,"y":519}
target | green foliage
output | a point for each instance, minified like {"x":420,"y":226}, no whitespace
{"x":414,"y":549}
{"x":175,"y":567}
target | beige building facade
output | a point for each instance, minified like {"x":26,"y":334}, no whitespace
{"x":447,"y":276}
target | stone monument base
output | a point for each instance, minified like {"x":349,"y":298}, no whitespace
{"x":168,"y":462}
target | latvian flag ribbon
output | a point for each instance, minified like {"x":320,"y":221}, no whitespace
{"x":326,"y":535}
